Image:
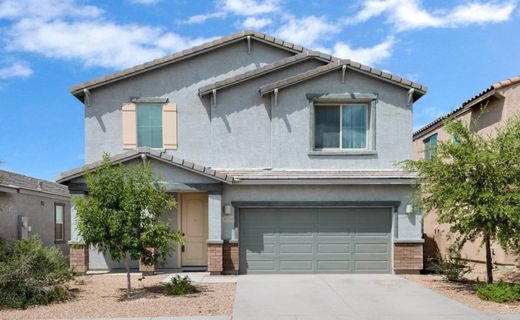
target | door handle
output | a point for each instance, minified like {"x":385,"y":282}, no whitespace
{"x":182,"y":248}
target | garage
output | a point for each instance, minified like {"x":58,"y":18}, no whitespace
{"x":315,"y":240}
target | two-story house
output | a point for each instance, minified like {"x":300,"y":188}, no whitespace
{"x":487,"y":110}
{"x":282,"y":159}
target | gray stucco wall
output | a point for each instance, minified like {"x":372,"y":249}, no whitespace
{"x":244,"y":130}
{"x":40,"y":211}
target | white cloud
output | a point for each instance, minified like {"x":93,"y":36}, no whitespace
{"x":256,"y":23}
{"x":46,"y":9}
{"x":307,"y":31}
{"x":248,"y":7}
{"x":244,"y":8}
{"x":94,"y":41}
{"x":17,"y":69}
{"x":410,"y":14}
{"x":371,"y":56}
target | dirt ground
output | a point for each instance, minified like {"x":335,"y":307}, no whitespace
{"x":103,"y":295}
{"x":464,"y":291}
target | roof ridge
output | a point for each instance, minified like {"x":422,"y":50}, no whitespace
{"x":467,"y":103}
{"x":273,"y":66}
{"x":337,"y":64}
{"x":171,"y":58}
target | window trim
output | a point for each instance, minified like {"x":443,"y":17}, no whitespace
{"x":56,"y":240}
{"x":137,"y":123}
{"x":370,"y":149}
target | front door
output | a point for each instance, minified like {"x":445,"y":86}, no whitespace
{"x":194,"y":223}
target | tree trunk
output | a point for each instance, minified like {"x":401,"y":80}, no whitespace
{"x":489,"y":259}
{"x":128,"y":281}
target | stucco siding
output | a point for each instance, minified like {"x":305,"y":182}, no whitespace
{"x":39,"y":210}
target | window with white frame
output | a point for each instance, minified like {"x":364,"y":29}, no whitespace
{"x":59,"y":222}
{"x":341,"y":127}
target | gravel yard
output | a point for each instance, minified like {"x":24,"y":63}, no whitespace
{"x":464,"y":293}
{"x":102,"y":295}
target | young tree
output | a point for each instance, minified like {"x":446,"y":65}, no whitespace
{"x":472,"y":182}
{"x":122,"y":215}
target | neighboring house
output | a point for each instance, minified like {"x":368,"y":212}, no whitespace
{"x":31,"y":206}
{"x":501,"y":101}
{"x":281,"y":159}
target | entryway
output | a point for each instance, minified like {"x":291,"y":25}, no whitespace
{"x":194,"y":226}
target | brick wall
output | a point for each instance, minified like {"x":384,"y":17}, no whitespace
{"x":230,"y":258}
{"x":408,"y":257}
{"x":79,"y":258}
{"x":215,"y":258}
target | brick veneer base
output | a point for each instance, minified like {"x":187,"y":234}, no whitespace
{"x":230,"y":258}
{"x":79,"y":258}
{"x":408,"y":257}
{"x":215,"y":258}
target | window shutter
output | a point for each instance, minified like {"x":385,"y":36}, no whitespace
{"x":129,"y":126}
{"x":170,"y":126}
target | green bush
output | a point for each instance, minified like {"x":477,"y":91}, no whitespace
{"x":180,"y":286}
{"x":499,"y":291}
{"x":31,"y":274}
{"x":451,"y":266}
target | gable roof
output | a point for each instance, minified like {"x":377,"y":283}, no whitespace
{"x":420,"y":90}
{"x":18,"y":181}
{"x":77,"y":90}
{"x":280,"y":64}
{"x":480,"y":97}
{"x":67,"y":176}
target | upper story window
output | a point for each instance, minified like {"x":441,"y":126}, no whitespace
{"x":341,"y":127}
{"x":430,"y":145}
{"x":59,"y":222}
{"x":150,"y":125}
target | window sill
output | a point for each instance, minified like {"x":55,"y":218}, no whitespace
{"x":342,"y":153}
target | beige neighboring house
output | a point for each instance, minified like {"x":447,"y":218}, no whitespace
{"x":503,"y":102}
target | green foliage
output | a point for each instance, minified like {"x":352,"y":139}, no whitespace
{"x":499,"y":292}
{"x":122,"y":215}
{"x":180,"y":286}
{"x":452,"y":267}
{"x":32,"y":274}
{"x":474,"y":184}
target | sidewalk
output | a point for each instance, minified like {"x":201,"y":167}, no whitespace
{"x":163,"y":318}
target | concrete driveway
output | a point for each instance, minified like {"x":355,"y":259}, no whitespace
{"x":359,"y":297}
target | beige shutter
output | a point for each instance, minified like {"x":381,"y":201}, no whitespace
{"x":170,"y":126}
{"x":129,"y":116}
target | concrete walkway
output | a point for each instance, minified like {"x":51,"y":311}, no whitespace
{"x":345,"y":297}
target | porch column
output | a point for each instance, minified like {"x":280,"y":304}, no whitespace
{"x":215,"y":233}
{"x":79,"y":252}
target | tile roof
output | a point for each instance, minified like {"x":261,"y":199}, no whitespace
{"x":149,"y":153}
{"x":77,"y":90}
{"x":489,"y":91}
{"x":19,"y":181}
{"x":278,"y":174}
{"x":349,"y":64}
{"x":266,"y":69}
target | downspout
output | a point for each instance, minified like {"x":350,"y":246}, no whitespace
{"x":410,"y":96}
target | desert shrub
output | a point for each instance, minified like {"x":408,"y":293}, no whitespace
{"x":452,"y":267}
{"x":31,"y":274}
{"x":180,"y":286}
{"x":499,"y":291}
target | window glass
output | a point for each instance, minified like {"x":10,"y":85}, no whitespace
{"x":149,"y":125}
{"x":327,"y":127}
{"x":430,"y":146}
{"x":59,"y":224}
{"x":354,"y":126}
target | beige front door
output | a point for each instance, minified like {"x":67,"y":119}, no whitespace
{"x":194,"y":223}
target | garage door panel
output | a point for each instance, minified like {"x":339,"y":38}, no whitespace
{"x":315,"y":240}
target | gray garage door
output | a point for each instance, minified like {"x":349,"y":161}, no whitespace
{"x":347,"y":240}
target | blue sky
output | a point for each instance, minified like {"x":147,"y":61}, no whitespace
{"x":456,"y":48}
